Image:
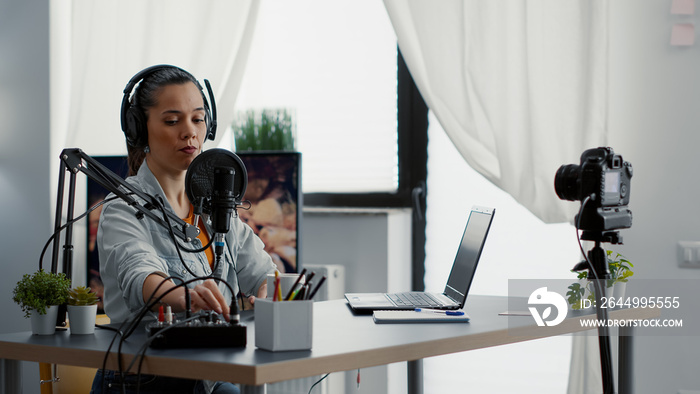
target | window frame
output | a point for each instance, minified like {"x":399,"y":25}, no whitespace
{"x":412,"y":133}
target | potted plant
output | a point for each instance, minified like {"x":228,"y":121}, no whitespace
{"x":579,"y":291}
{"x":39,"y":295}
{"x":620,"y":271}
{"x":265,"y":130}
{"x":82,"y":310}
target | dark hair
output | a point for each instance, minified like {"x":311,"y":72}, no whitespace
{"x":145,"y":96}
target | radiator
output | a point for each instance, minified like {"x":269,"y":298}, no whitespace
{"x":333,"y":288}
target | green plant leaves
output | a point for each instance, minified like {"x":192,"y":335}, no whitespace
{"x":40,"y":290}
{"x":82,"y":295}
{"x":268,"y":129}
{"x":620,"y":271}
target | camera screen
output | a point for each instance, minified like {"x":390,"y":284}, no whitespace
{"x":612,"y":181}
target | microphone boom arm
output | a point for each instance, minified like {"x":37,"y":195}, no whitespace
{"x":75,"y":160}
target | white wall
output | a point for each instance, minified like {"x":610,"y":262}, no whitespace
{"x":654,"y":124}
{"x":24,"y":153}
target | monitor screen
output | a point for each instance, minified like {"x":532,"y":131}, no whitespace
{"x":275,"y":201}
{"x":95,"y":194}
{"x":273,"y":212}
{"x":468,"y":254}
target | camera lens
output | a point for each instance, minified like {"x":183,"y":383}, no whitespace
{"x":565,"y":182}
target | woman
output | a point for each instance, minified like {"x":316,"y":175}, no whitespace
{"x":166,"y":121}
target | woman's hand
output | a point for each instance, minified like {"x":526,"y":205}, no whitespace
{"x":262,"y":293}
{"x":207,"y":296}
{"x":204,"y":296}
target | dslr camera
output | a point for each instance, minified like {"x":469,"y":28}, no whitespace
{"x":605,"y":178}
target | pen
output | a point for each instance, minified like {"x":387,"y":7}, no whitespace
{"x":448,"y":313}
{"x":311,"y":276}
{"x":290,"y":294}
{"x":318,"y":286}
{"x":301,"y":294}
{"x":308,"y":287}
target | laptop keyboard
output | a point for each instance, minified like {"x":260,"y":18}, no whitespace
{"x":413,"y":299}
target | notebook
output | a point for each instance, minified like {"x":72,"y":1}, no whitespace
{"x":458,"y":283}
{"x":417,"y":317}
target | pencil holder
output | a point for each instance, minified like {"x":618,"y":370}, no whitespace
{"x":283,"y":325}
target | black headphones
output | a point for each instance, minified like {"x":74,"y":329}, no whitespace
{"x":133,"y":119}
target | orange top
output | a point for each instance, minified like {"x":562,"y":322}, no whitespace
{"x":203,"y":236}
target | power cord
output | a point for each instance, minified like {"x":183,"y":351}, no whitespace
{"x":131,"y":325}
{"x":578,"y":237}
{"x":69,"y":223}
{"x":318,"y":382}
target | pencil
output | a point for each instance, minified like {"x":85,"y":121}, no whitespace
{"x":291,"y":290}
{"x":320,"y":283}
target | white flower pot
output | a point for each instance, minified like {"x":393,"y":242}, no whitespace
{"x":618,"y":291}
{"x":44,"y":324}
{"x":81,"y":318}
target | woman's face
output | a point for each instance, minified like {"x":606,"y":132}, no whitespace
{"x":176,"y":128}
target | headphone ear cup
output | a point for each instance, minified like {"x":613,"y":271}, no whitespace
{"x":210,"y":110}
{"x":135,"y":128}
{"x":210,"y":126}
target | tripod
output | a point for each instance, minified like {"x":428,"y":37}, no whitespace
{"x":598,"y":272}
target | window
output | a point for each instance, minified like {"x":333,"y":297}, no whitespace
{"x":335,"y":65}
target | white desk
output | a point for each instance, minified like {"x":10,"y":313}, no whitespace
{"x":342,"y":341}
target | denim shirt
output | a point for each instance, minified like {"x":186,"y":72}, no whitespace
{"x":130,"y":249}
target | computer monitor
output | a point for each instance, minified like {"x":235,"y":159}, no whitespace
{"x":274,"y":212}
{"x":95,"y":194}
{"x":274,"y":209}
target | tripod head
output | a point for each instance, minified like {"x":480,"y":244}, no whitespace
{"x":611,"y":237}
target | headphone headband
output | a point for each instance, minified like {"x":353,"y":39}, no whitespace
{"x":133,"y":120}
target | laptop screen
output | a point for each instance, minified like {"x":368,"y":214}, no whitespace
{"x":468,"y":254}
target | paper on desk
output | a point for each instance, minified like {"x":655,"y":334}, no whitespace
{"x":515,"y":313}
{"x":416,"y":317}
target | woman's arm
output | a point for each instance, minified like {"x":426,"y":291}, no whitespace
{"x":253,"y":264}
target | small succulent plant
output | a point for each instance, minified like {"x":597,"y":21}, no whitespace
{"x":82,"y":295}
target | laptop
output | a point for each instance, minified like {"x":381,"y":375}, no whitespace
{"x":455,"y":294}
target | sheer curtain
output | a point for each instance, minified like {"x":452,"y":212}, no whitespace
{"x":97,"y":46}
{"x":519,"y":86}
{"x":100,"y":45}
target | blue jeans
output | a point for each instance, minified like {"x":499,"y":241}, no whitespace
{"x":152,"y":384}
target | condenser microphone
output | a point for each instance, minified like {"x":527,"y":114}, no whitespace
{"x":215,"y":183}
{"x":223,"y":204}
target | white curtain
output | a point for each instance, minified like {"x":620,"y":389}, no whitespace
{"x":519,"y":86}
{"x":100,"y":45}
{"x":97,"y":46}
